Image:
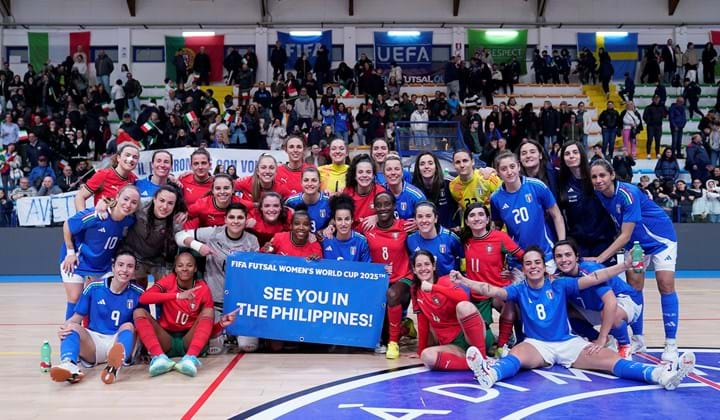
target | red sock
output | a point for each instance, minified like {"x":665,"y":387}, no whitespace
{"x":506,"y":327}
{"x":450,"y":361}
{"x":394,"y":322}
{"x":201,"y":335}
{"x":473,"y":327}
{"x":147,"y":335}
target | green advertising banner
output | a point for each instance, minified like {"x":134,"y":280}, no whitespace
{"x":503,"y":44}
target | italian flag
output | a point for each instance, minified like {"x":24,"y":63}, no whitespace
{"x":55,"y":47}
{"x":22,"y":135}
{"x":148,"y":126}
{"x":190,"y":46}
{"x":227,"y":117}
{"x":190,"y":117}
{"x":344,"y":92}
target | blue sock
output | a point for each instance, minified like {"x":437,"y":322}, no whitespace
{"x":506,"y":367}
{"x":583,"y":328}
{"x":637,"y":326}
{"x":70,"y":347}
{"x":69,"y":310}
{"x":127,"y":339}
{"x":621,"y":333}
{"x":670,"y":308}
{"x":634,"y":370}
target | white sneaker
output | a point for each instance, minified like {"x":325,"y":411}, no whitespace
{"x":216,"y":345}
{"x":380,"y":348}
{"x":638,"y":344}
{"x":480,"y":366}
{"x":674,"y":373}
{"x":612,"y":343}
{"x":670,"y":353}
{"x":66,"y":371}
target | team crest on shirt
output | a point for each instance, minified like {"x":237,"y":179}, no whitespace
{"x":353,"y":250}
{"x":489,"y":249}
{"x":436,"y":300}
{"x":322,"y":213}
{"x":528,"y":198}
{"x":130,"y":304}
{"x":403,"y":206}
{"x":395,"y":235}
{"x":479,"y":190}
{"x":618,"y":208}
{"x":549,"y":294}
{"x":443,"y":249}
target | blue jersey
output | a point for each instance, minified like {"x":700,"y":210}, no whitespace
{"x":445,"y":246}
{"x":653,"y":228}
{"x":147,"y":188}
{"x":107,"y":310}
{"x":380,"y":177}
{"x":319,"y":211}
{"x":354,"y":249}
{"x":587,"y":220}
{"x":591,"y":298}
{"x":407,"y":199}
{"x":447,"y":208}
{"x":95,"y":241}
{"x":544,"y":310}
{"x":523,"y":212}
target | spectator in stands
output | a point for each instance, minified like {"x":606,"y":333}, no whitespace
{"x":697,"y":161}
{"x":133,"y":90}
{"x":202,"y":66}
{"x":232,"y":64}
{"x":667,"y":54}
{"x":452,"y":76}
{"x":712,"y":196}
{"x":181,"y":68}
{"x":68,"y":181}
{"x":528,"y":122}
{"x":302,"y":67}
{"x":24,"y":189}
{"x":667,"y":168}
{"x":609,"y":120}
{"x":653,"y":117}
{"x":6,"y":209}
{"x":117,"y":94}
{"x":692,"y":94}
{"x":628,"y":89}
{"x":605,"y":70}
{"x":38,"y":173}
{"x":573,"y":130}
{"x":631,"y":126}
{"x":684,"y":198}
{"x":677,"y":119}
{"x":48,"y":187}
{"x":345,"y":76}
{"x":713,"y":142}
{"x":549,"y":124}
{"x":9,"y":131}
{"x":622,"y":163}
{"x":34,"y":149}
{"x":597,"y":153}
{"x":103,"y":68}
{"x":420,"y":119}
{"x":278,"y":59}
{"x":652,"y":68}
{"x":690,"y":62}
{"x":322,"y":66}
{"x":709,"y":60}
{"x":10,"y":167}
{"x":305,"y":110}
{"x":473,"y":137}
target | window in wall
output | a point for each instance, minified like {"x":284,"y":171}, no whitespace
{"x":338,"y":53}
{"x":440,"y":53}
{"x":110,"y":50}
{"x":22,"y":52}
{"x":146,"y":54}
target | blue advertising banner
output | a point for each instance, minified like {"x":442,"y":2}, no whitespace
{"x":296,"y":45}
{"x":412,"y":50}
{"x":290,"y":298}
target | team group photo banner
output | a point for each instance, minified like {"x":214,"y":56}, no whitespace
{"x":503,"y":44}
{"x":295,"y":45}
{"x":292,"y":299}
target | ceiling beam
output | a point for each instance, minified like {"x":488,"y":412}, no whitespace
{"x":456,"y":7}
{"x":351,"y":7}
{"x":672,"y":6}
{"x":541,"y":8}
{"x":131,"y":7}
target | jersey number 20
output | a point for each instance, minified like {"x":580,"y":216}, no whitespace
{"x":520,"y":215}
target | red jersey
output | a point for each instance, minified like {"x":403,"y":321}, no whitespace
{"x":264,"y":230}
{"x":291,"y":179}
{"x":177,"y":315}
{"x":387,"y":246}
{"x":107,"y":182}
{"x":364,"y":204}
{"x":437,"y":310}
{"x":194,"y":190}
{"x":485,"y":258}
{"x":204,"y":213}
{"x":283,"y":245}
{"x":244,"y":186}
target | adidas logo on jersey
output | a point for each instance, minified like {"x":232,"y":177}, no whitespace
{"x":328,"y":248}
{"x":505,"y":206}
{"x":101,"y":302}
{"x":668,"y":258}
{"x":145,"y":193}
{"x":102,"y":229}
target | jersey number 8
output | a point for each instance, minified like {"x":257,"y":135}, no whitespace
{"x":540,"y":310}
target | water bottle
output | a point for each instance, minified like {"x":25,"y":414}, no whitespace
{"x":45,"y":357}
{"x":638,"y":257}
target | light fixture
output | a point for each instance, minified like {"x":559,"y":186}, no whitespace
{"x":502,"y":33}
{"x":188,"y":34}
{"x":611,"y":34}
{"x":305,"y":33}
{"x":403,"y":33}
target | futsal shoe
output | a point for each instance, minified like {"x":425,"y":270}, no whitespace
{"x":674,"y":373}
{"x":638,"y":344}
{"x":380,"y":348}
{"x":670,"y":353}
{"x":116,"y":357}
{"x":393,"y":351}
{"x":408,"y":327}
{"x":480,"y":366}
{"x":216,"y":345}
{"x":66,"y":371}
{"x":624,"y":351}
{"x":612,"y":343}
{"x":188,"y":365}
{"x":160,"y":364}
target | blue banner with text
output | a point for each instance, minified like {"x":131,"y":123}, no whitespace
{"x":412,"y":51}
{"x":297,"y":45}
{"x":292,"y":299}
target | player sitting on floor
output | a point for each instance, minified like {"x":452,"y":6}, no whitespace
{"x":110,"y":334}
{"x":543,"y":309}
{"x":186,"y":320}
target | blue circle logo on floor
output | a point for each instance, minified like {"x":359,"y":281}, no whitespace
{"x":415,"y":392}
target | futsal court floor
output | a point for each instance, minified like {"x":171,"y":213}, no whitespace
{"x":359,"y":385}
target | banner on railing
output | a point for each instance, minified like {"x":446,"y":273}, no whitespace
{"x":292,"y":299}
{"x":43,"y":211}
{"x":242,"y":160}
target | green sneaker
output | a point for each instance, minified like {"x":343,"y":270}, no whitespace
{"x":188,"y":365}
{"x":160,"y":364}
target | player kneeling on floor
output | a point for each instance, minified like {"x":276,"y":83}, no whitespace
{"x":110,"y":334}
{"x":186,"y":320}
{"x":543,"y":308}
